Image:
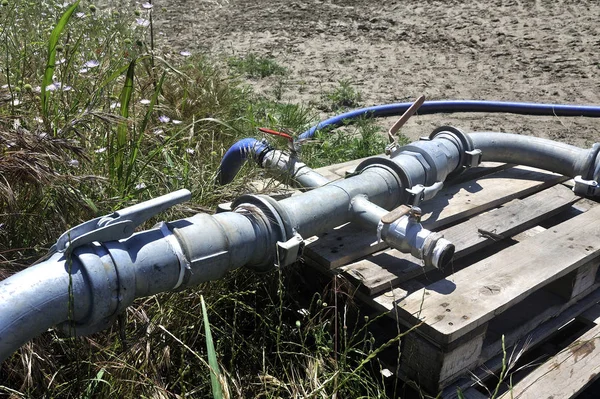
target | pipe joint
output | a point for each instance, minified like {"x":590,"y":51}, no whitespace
{"x":278,"y":225}
{"x":591,"y":167}
{"x":401,"y":171}
{"x":289,"y":167}
{"x":105,"y":290}
{"x":587,"y":184}
{"x":468,"y":155}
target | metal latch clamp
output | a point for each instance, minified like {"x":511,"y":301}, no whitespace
{"x":119,"y":224}
{"x":420,"y":193}
{"x":586,"y":188}
{"x":289,"y":251}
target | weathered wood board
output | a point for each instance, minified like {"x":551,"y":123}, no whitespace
{"x":485,"y":289}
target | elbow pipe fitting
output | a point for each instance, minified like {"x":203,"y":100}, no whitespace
{"x":591,"y":167}
{"x":568,"y":160}
{"x":237,"y":154}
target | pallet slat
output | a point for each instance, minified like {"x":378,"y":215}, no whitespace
{"x":564,"y":375}
{"x":533,"y":339}
{"x":454,"y":306}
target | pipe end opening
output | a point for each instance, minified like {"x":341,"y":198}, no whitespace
{"x":443,"y":253}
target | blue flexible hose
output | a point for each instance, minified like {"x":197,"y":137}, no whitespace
{"x":236,"y":155}
{"x":450,"y":106}
{"x":239,"y":152}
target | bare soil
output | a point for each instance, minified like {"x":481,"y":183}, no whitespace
{"x":528,"y":50}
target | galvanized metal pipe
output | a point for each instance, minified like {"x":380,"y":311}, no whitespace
{"x":83,"y":290}
{"x":537,"y":152}
{"x":290,"y":170}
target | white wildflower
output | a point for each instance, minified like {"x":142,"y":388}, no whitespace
{"x":91,"y":64}
{"x":142,"y":22}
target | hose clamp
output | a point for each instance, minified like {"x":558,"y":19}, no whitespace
{"x":290,"y":251}
{"x":420,"y":193}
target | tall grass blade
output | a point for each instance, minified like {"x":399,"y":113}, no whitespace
{"x":123,"y":127}
{"x":51,"y":62}
{"x":137,"y":142}
{"x":153,"y":102}
{"x":212,"y":356}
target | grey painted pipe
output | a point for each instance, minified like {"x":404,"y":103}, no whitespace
{"x":37,"y":298}
{"x":106,"y":277}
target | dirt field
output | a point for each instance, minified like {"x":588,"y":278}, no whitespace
{"x":542,"y":50}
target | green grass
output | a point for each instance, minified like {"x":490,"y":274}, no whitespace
{"x":256,"y":66}
{"x":90,"y":121}
{"x":342,"y":97}
{"x":361,"y":139}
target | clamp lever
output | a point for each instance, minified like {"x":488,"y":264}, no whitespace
{"x":119,"y":224}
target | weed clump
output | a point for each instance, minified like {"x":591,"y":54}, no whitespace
{"x":255,"y":66}
{"x":344,"y":96}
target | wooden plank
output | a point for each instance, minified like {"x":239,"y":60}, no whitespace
{"x":474,"y":394}
{"x":473,"y":197}
{"x":526,"y":316}
{"x":428,"y":365}
{"x":338,"y":170}
{"x":381,"y":271}
{"x":452,"y":204}
{"x":566,"y":374}
{"x":592,"y":315}
{"x":533,"y":339}
{"x":471,"y":297}
{"x":531,"y":321}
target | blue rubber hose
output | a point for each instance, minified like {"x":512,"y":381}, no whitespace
{"x":240,"y":151}
{"x":450,"y":106}
{"x":236,"y":155}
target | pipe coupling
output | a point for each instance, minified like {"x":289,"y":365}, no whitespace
{"x":110,"y":290}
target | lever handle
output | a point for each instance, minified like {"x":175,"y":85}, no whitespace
{"x":119,"y":224}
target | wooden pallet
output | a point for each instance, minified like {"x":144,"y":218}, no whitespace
{"x":527,"y":259}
